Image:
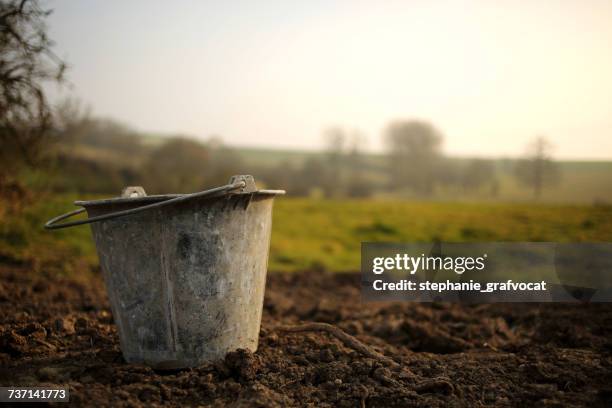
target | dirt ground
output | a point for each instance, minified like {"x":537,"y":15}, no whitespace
{"x":59,"y":331}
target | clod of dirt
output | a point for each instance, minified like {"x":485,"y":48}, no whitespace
{"x":34,"y":331}
{"x":3,"y":294}
{"x":64,"y":325}
{"x":243,"y":364}
{"x":441,"y":385}
{"x":149,"y":393}
{"x":424,"y":337}
{"x":384,"y":375}
{"x":81,"y":324}
{"x":51,"y":374}
{"x":12,"y":343}
{"x":326,"y":355}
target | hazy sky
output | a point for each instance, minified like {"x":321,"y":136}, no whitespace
{"x":489,"y":74}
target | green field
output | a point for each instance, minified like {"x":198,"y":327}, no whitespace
{"x":326,"y":234}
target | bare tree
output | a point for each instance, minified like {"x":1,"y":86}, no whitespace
{"x":335,"y":145}
{"x":538,"y":169}
{"x":73,"y":122}
{"x":26,"y":63}
{"x":357,"y":184}
{"x":414,"y":154}
{"x":478,"y":173}
{"x":343,"y":169}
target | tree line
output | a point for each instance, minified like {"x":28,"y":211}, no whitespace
{"x":101,"y":155}
{"x":413,"y":165}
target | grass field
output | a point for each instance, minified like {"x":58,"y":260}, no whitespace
{"x":326,"y":234}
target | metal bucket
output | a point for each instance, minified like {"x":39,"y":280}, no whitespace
{"x":185,"y":274}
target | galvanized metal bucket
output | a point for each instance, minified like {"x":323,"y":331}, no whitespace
{"x":185,"y":274}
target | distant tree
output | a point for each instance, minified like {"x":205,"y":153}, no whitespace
{"x":27,"y":62}
{"x":313,"y":175}
{"x":357,"y":184}
{"x":280,"y":176}
{"x":335,"y":145}
{"x":335,"y":141}
{"x":224,"y":162}
{"x":342,"y":171}
{"x":71,"y":114}
{"x":478,"y":173}
{"x":448,"y":172}
{"x":414,"y":152}
{"x":110,"y":135}
{"x":537,"y":170}
{"x":179,"y":165}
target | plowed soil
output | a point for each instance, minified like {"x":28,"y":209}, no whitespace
{"x":60,"y":331}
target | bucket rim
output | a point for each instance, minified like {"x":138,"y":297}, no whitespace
{"x":162,"y":197}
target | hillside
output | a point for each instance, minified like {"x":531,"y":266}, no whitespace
{"x":99,"y":162}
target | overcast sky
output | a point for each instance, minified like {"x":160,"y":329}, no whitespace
{"x":489,"y":74}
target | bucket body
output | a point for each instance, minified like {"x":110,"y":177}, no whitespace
{"x":186,"y":281}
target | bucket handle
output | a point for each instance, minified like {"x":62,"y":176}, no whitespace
{"x":244,"y":184}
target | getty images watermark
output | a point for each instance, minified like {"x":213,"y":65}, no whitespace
{"x":487,"y":272}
